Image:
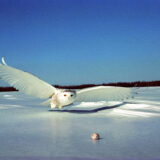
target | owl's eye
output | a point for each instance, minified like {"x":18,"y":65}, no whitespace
{"x":65,"y":95}
{"x":71,"y":95}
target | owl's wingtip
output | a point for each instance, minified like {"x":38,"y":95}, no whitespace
{"x":3,"y":61}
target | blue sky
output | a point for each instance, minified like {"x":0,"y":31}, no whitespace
{"x":70,"y":42}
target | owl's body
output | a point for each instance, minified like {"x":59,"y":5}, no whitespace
{"x":62,"y":98}
{"x":57,"y":98}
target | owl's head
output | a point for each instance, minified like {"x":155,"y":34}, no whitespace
{"x":66,"y":97}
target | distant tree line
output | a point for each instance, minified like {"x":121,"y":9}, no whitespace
{"x":7,"y":89}
{"x":118,"y":84}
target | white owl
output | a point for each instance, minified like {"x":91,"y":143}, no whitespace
{"x":32,"y":85}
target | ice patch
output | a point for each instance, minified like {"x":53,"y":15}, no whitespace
{"x":131,"y":113}
{"x":137,"y":110}
{"x":9,"y":106}
{"x":9,"y":97}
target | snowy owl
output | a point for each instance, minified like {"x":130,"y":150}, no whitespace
{"x":57,"y":98}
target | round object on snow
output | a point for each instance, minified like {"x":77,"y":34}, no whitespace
{"x":95,"y":136}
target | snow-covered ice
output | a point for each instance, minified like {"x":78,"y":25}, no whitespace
{"x":129,"y":130}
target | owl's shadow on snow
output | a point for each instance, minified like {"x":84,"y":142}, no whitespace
{"x":81,"y":111}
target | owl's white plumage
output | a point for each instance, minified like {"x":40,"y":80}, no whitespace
{"x":101,"y":93}
{"x":26,"y":82}
{"x":32,"y":85}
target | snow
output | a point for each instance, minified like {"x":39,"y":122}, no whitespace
{"x":129,"y":130}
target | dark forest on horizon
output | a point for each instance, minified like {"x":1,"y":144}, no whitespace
{"x":118,"y":84}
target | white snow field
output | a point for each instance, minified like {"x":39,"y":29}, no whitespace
{"x":129,"y":130}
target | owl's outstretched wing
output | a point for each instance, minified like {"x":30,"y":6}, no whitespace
{"x":103,"y":93}
{"x":26,"y":82}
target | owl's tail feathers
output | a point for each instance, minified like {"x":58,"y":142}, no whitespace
{"x":46,"y":103}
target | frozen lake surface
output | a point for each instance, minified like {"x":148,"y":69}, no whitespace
{"x":129,"y":130}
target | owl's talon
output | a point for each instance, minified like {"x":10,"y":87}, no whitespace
{"x":53,"y":106}
{"x":60,"y":107}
